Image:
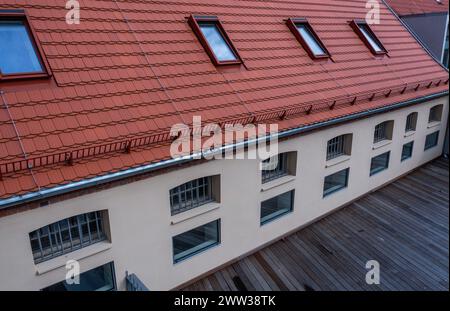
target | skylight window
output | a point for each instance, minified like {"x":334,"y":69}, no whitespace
{"x":368,"y":37}
{"x":214,"y":39}
{"x":19,"y":56}
{"x":307,"y":37}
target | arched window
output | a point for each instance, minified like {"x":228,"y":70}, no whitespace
{"x":435,"y":114}
{"x":67,"y":235}
{"x":278,"y":166}
{"x":339,"y":146}
{"x":194,"y":193}
{"x":411,"y":122}
{"x":383,"y":131}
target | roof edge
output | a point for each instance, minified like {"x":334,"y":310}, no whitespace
{"x":99,"y":180}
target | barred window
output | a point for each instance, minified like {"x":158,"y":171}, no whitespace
{"x":383,"y":131}
{"x":191,"y":195}
{"x":411,"y":121}
{"x":67,"y":235}
{"x":274,"y":167}
{"x":335,"y":147}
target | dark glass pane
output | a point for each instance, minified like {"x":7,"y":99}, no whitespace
{"x":98,"y":279}
{"x":335,"y":182}
{"x":379,"y":163}
{"x":431,"y":140}
{"x":276,"y":207}
{"x":407,"y":151}
{"x":195,"y":240}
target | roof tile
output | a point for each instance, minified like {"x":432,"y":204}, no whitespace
{"x":132,"y":69}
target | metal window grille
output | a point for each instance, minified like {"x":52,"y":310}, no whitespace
{"x":66,"y":236}
{"x":411,"y":122}
{"x":335,"y":147}
{"x":191,"y":194}
{"x":275,"y":167}
{"x":380,"y":133}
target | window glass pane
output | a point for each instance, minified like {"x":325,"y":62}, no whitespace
{"x":310,"y":39}
{"x":431,"y":140}
{"x":220,"y":47}
{"x":276,"y":207}
{"x":372,"y":41}
{"x":407,"y":150}
{"x":335,"y":182}
{"x":17,"y":53}
{"x":196,"y":240}
{"x":98,"y":279}
{"x":379,"y":163}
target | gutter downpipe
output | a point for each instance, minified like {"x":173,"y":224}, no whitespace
{"x":95,"y":181}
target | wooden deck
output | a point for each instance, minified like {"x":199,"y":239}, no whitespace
{"x":403,"y":226}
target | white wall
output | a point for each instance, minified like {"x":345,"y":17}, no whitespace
{"x":140,"y":217}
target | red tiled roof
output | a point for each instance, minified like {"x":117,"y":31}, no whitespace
{"x":134,"y":68}
{"x":411,"y":7}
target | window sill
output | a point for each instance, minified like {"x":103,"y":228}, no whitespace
{"x":433,"y":124}
{"x":194,"y":212}
{"x":381,"y":144}
{"x":61,"y":261}
{"x":410,"y":133}
{"x":338,"y":160}
{"x":277,"y":182}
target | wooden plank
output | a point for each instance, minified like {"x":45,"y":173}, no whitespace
{"x":405,"y":226}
